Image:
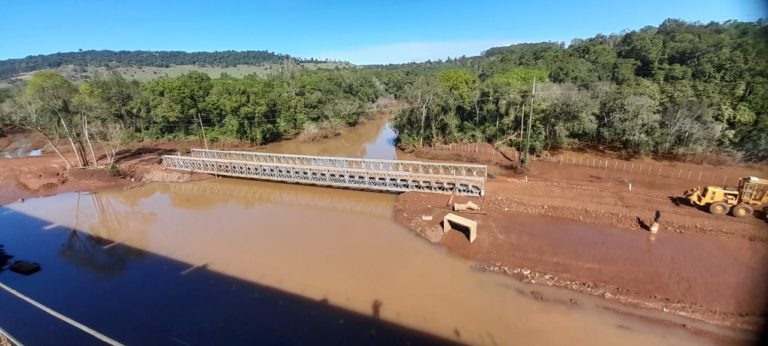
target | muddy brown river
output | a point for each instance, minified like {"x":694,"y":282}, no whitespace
{"x":339,"y":247}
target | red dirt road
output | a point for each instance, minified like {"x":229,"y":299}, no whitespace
{"x":581,"y":228}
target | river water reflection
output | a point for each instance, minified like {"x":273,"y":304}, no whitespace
{"x":337,"y":246}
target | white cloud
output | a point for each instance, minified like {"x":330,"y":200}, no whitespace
{"x":410,"y":51}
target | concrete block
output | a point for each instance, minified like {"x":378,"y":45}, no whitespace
{"x":451,"y":220}
{"x":459,"y":207}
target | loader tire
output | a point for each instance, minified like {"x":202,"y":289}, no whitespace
{"x":718,"y":208}
{"x":742,"y":210}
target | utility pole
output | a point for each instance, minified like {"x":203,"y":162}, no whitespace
{"x":530,"y":116}
{"x":205,"y":141}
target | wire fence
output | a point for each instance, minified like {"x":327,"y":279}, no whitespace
{"x":639,"y":168}
{"x":651,"y":169}
{"x":484,"y":149}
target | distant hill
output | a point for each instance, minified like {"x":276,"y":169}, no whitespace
{"x":157,"y":59}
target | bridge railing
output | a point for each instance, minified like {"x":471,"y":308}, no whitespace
{"x":326,"y":175}
{"x":416,"y":167}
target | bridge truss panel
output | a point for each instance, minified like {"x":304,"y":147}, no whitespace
{"x":294,"y":169}
{"x":419,"y":167}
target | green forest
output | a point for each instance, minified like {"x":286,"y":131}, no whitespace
{"x":677,"y":89}
{"x":107,"y":58}
{"x":109,"y":110}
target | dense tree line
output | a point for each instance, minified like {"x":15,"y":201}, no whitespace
{"x":96,"y":116}
{"x":109,"y":58}
{"x":678,"y":88}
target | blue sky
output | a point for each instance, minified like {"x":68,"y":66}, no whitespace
{"x":358,"y":31}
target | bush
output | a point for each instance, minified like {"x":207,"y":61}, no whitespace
{"x":316,"y":131}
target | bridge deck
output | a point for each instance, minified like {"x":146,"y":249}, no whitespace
{"x":367,"y":174}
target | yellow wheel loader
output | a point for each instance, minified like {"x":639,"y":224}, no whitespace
{"x":751,"y":194}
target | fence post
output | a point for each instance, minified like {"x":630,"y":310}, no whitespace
{"x":641,"y":168}
{"x":659,"y":173}
{"x":689,"y":174}
{"x":699,"y":176}
{"x":724,"y":179}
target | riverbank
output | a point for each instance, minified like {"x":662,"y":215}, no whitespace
{"x":139,"y":163}
{"x":47,"y":174}
{"x":580,"y":228}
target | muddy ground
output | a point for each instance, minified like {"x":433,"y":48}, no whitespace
{"x":579,"y":227}
{"x":47,"y":174}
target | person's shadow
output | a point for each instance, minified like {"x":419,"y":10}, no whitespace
{"x":376,"y":306}
{"x":643,"y":225}
{"x":646,"y":226}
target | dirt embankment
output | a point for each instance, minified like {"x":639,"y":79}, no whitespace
{"x":581,"y":228}
{"x":47,"y":174}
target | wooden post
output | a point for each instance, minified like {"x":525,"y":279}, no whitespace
{"x":205,"y":141}
{"x":530,"y":119}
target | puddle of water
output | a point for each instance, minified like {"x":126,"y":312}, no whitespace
{"x":22,"y":148}
{"x":322,"y":244}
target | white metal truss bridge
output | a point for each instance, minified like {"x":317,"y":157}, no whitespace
{"x":342,"y":172}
